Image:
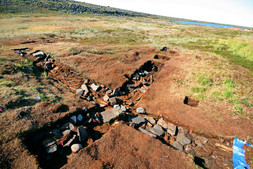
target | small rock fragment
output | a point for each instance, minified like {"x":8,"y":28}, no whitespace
{"x":73,"y":118}
{"x":140,"y":110}
{"x":71,"y":141}
{"x":123,"y":108}
{"x":106,"y":98}
{"x":85,"y":88}
{"x":86,"y":81}
{"x":80,"y":91}
{"x":76,"y":147}
{"x":66,"y":132}
{"x":51,"y":149}
{"x":37,"y":98}
{"x":200,"y":141}
{"x":79,"y":117}
{"x":116,"y":106}
{"x":48,"y":142}
{"x":94,"y":87}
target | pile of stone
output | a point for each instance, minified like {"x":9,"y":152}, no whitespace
{"x":72,"y":135}
{"x":158,"y":128}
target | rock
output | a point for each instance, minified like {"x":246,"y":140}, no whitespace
{"x":79,"y":117}
{"x":116,"y":106}
{"x":51,"y":149}
{"x":71,"y":141}
{"x":162,"y":123}
{"x":76,"y":147}
{"x":37,"y":98}
{"x":157,"y":130}
{"x":145,"y":72}
{"x":48,"y":142}
{"x":123,"y":108}
{"x":114,"y":101}
{"x":71,"y":126}
{"x":39,"y":54}
{"x":108,"y":92}
{"x":80,"y":91}
{"x":82,"y":133}
{"x":183,"y":140}
{"x":130,"y":103}
{"x":89,"y":98}
{"x":95,"y":87}
{"x":86,"y":81}
{"x":151,"y":120}
{"x":110,"y":115}
{"x":66,"y":132}
{"x":20,"y":114}
{"x":56,"y":133}
{"x":106,"y":98}
{"x":172,"y":129}
{"x":85,"y":88}
{"x":143,"y":90}
{"x":73,"y":118}
{"x":164,"y":49}
{"x":138,"y":120}
{"x":146,"y":132}
{"x":200,"y":141}
{"x":188,"y":148}
{"x":178,"y":146}
{"x":49,"y":65}
{"x":140,"y":110}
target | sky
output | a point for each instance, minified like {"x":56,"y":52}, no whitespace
{"x":235,"y":12}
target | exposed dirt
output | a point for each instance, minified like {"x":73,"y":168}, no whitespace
{"x":164,"y":99}
{"x":124,"y":147}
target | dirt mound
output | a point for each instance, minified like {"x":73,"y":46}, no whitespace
{"x":124,"y":147}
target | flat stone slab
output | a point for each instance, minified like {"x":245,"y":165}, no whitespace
{"x":146,"y":132}
{"x":157,"y":130}
{"x":162,"y":123}
{"x":138,"y":120}
{"x":178,"y":146}
{"x":82,"y":133}
{"x":151,"y":119}
{"x":183,"y":140}
{"x":172,"y":129}
{"x":110,"y":114}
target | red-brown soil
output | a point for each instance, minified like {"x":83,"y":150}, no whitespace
{"x":125,"y":147}
{"x":164,"y":98}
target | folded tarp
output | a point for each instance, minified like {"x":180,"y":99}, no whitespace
{"x":239,"y":154}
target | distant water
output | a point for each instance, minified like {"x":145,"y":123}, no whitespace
{"x":205,"y":24}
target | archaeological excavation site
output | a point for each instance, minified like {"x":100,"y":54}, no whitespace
{"x":95,"y":87}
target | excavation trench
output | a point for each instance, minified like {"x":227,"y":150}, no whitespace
{"x":50,"y":144}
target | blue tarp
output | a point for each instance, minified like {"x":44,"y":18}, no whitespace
{"x":239,"y":154}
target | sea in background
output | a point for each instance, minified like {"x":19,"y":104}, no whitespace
{"x":206,"y":24}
